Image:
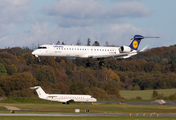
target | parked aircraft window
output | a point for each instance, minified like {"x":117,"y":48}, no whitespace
{"x":69,"y":48}
{"x":110,"y":50}
{"x":91,"y":49}
{"x":102,"y":49}
{"x":78,"y":49}
{"x":64,"y":48}
{"x":95,"y":49}
{"x":105,"y":49}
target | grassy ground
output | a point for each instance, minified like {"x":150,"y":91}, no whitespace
{"x":145,"y":94}
{"x":101,"y":108}
{"x":85,"y":118}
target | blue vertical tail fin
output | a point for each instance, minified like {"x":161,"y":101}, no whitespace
{"x":135,"y":42}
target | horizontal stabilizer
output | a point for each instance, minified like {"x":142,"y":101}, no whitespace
{"x":141,"y":37}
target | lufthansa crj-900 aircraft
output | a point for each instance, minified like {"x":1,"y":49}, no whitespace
{"x":64,"y":98}
{"x":94,"y":52}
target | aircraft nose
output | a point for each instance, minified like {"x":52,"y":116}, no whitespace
{"x":34,"y":53}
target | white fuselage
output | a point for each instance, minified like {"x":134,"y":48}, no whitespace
{"x":74,"y":51}
{"x":67,"y":97}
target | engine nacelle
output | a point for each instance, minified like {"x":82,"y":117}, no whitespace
{"x":124,"y":49}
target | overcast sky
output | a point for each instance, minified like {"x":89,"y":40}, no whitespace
{"x":29,"y":22}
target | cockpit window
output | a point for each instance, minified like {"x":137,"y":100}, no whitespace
{"x":42,"y":48}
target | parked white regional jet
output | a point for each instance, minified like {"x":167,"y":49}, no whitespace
{"x":64,"y":98}
{"x":96,"y":52}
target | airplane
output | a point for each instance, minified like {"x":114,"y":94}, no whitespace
{"x":64,"y":98}
{"x":90,"y":52}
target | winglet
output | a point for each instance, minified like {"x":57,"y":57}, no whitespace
{"x":143,"y":48}
{"x":34,"y":87}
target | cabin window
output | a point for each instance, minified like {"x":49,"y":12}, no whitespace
{"x":69,"y":48}
{"x":94,"y":49}
{"x":64,"y":48}
{"x":91,"y":49}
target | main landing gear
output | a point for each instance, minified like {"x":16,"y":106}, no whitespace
{"x":66,"y":103}
{"x":101,"y":63}
{"x":88,"y":63}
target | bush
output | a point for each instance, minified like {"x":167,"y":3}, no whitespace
{"x":138,"y":98}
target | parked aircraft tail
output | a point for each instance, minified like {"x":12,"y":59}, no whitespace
{"x":41,"y":93}
{"x":136,"y":41}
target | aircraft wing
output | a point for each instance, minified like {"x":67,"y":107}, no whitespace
{"x":110,"y":56}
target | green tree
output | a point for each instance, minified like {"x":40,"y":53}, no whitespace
{"x":98,"y":93}
{"x":96,"y":43}
{"x":111,"y":90}
{"x":78,"y":88}
{"x":155,"y":94}
{"x":78,"y":42}
{"x":88,"y":42}
{"x":3,"y":71}
{"x":11,"y":69}
{"x":18,"y":83}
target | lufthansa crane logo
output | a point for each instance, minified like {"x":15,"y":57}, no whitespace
{"x":135,"y":44}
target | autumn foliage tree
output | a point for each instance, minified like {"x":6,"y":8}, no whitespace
{"x":18,"y":84}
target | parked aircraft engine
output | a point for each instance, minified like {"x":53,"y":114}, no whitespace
{"x":124,"y":49}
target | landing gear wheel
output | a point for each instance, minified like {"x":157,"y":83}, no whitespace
{"x":101,"y":63}
{"x":88,"y":63}
{"x":39,"y":59}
